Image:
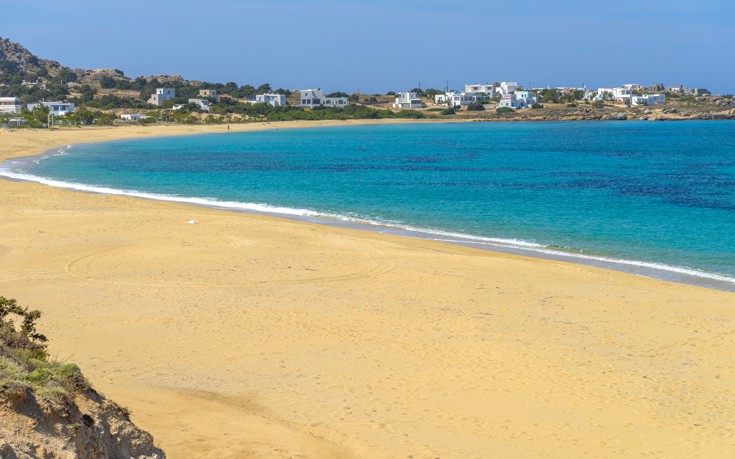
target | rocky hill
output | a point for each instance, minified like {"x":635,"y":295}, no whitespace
{"x":17,"y":60}
{"x":49,"y":410}
{"x":25,"y":75}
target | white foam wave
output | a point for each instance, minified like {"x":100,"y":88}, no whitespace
{"x":434,"y":234}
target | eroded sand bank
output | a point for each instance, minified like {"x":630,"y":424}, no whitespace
{"x":245,"y":334}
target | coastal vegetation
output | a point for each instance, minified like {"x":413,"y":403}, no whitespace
{"x":66,"y":414}
{"x":25,"y":363}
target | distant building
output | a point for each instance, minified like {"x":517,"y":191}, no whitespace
{"x":210,"y":93}
{"x":698,"y":91}
{"x":458,"y":99}
{"x":507,"y":87}
{"x":315,"y":97}
{"x":518,"y":99}
{"x":203,"y":104}
{"x":55,"y":108}
{"x":161,"y":96}
{"x":276,"y":100}
{"x":649,"y":99}
{"x":679,"y":89}
{"x":619,"y":94}
{"x":134,"y":117}
{"x":15,"y":123}
{"x":408,"y":100}
{"x":10,"y":105}
{"x":488,"y":89}
{"x":657,"y":87}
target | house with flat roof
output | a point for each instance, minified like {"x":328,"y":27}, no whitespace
{"x":507,"y":87}
{"x":649,"y":99}
{"x":518,"y":99}
{"x":311,"y":98}
{"x":459,"y":99}
{"x":203,"y":104}
{"x":10,"y":105}
{"x":619,"y":94}
{"x":54,"y":108}
{"x":275,"y":100}
{"x":209,"y":93}
{"x":162,"y":95}
{"x":408,"y":100}
{"x":134,"y":117}
{"x":488,"y":89}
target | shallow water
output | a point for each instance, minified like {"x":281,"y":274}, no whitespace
{"x":657,"y":197}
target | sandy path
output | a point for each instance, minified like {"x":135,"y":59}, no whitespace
{"x":248,"y":335}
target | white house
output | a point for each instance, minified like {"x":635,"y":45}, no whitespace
{"x":210,"y":93}
{"x":55,"y":108}
{"x":518,"y":99}
{"x":488,"y":89}
{"x":619,"y":94}
{"x":408,"y":100}
{"x":202,"y":103}
{"x":162,"y":95}
{"x":649,"y":99}
{"x":10,"y":105}
{"x":458,"y":99}
{"x":276,"y":100}
{"x":507,"y":87}
{"x":315,"y":97}
{"x":134,"y":117}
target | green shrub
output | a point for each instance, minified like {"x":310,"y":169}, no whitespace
{"x":475,"y":107}
{"x":504,"y":110}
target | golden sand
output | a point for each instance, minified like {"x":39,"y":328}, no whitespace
{"x":249,"y":335}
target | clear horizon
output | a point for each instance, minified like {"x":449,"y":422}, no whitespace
{"x":380,"y":46}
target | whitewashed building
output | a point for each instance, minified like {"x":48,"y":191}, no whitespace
{"x":458,"y":99}
{"x":488,"y":89}
{"x":619,"y":94}
{"x":10,"y":105}
{"x":276,"y":100}
{"x":518,"y":99}
{"x":408,"y":100}
{"x":54,"y":108}
{"x":162,"y":95}
{"x":134,"y":117}
{"x":203,"y":104}
{"x":507,"y":87}
{"x":311,"y":98}
{"x":649,"y":99}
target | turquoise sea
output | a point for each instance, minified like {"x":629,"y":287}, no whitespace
{"x":652,"y":198}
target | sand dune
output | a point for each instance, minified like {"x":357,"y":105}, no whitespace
{"x":248,"y":335}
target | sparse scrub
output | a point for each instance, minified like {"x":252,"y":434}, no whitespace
{"x":24,"y":359}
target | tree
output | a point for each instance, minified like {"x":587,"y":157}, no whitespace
{"x":26,"y":336}
{"x":86,"y":93}
{"x":431,"y":92}
{"x":475,"y":107}
{"x":264,"y":88}
{"x":107,"y":82}
{"x":66,"y":75}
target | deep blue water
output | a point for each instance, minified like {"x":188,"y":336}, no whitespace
{"x":641,"y":191}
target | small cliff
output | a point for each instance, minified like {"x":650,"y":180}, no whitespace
{"x":49,"y":410}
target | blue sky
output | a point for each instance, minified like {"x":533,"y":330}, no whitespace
{"x":381,"y":45}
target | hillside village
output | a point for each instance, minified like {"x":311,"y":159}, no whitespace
{"x":36,"y":92}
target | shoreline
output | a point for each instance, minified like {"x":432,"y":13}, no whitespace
{"x":654,"y":270}
{"x":247,"y":334}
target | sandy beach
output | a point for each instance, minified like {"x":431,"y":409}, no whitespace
{"x":251,"y":336}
